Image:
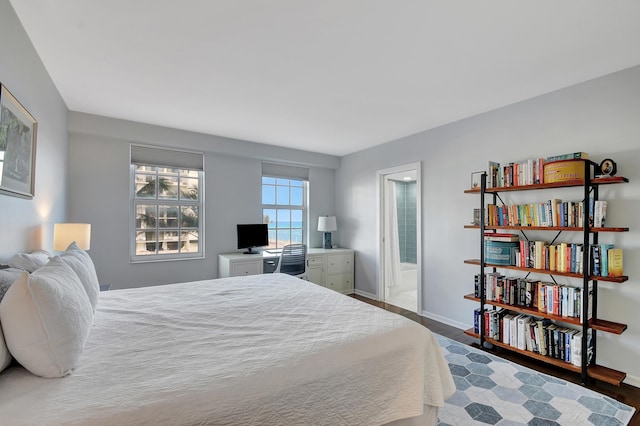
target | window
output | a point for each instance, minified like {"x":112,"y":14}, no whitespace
{"x":283,"y":210}
{"x":167,"y":204}
{"x":284,"y":195}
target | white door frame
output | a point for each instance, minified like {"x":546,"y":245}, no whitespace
{"x":380,"y":178}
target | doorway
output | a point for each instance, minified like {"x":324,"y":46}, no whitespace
{"x":400,"y":241}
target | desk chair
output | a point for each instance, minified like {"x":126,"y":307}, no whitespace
{"x":293,"y":261}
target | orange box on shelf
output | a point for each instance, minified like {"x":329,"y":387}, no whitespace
{"x":563,"y":170}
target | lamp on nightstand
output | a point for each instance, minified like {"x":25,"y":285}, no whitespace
{"x":327,"y":224}
{"x":66,"y":233}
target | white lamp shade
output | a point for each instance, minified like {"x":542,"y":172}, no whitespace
{"x":327,"y":224}
{"x":66,"y":233}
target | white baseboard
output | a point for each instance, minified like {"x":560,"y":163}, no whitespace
{"x":366,"y":294}
{"x":632,"y":381}
{"x":445,"y":320}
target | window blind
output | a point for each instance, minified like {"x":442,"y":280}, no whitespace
{"x":146,"y":155}
{"x":285,"y":171}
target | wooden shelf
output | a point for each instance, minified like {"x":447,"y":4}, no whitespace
{"x":607,"y":326}
{"x":597,"y":372}
{"x":525,"y":310}
{"x":596,"y":324}
{"x":565,"y":184}
{"x":548,"y":272}
{"x":548,"y":228}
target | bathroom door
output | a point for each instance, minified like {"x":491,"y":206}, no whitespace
{"x":400,"y":241}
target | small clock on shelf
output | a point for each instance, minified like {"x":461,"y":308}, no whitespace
{"x":607,"y":167}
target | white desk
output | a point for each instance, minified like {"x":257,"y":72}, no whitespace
{"x":331,"y":268}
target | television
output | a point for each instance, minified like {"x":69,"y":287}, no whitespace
{"x":252,"y":235}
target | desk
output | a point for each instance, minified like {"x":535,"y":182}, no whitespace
{"x":331,"y":268}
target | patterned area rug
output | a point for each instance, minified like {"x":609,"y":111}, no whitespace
{"x":494,"y":391}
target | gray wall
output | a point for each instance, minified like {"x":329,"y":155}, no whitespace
{"x":599,"y":117}
{"x":99,"y":194}
{"x":28,"y":224}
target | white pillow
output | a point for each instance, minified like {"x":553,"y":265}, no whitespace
{"x":5,"y":356}
{"x":30,"y":261}
{"x":46,"y":318}
{"x":82,"y":265}
{"x":7,"y":277}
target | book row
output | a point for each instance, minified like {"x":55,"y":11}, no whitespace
{"x":527,"y":172}
{"x":554,"y":212}
{"x":549,"y":298}
{"x":606,"y":260}
{"x":528,"y":333}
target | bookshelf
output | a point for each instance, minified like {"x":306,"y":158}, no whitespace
{"x":585,"y":363}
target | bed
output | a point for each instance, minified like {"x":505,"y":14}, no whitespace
{"x":263,"y":349}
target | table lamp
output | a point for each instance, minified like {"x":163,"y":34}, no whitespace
{"x":66,"y":233}
{"x":327,"y":224}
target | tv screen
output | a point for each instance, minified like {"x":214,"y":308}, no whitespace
{"x":252,"y":235}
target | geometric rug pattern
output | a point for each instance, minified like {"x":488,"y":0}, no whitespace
{"x":494,"y":391}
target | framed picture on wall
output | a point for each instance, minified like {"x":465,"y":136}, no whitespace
{"x":18,"y":131}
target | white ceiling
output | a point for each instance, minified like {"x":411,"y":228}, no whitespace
{"x":330,"y":76}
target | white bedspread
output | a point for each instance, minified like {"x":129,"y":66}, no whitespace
{"x":266,"y":349}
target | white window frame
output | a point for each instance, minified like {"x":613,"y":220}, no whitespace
{"x":303,"y":209}
{"x":161,"y":159}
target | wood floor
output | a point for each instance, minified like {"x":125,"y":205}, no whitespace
{"x":624,"y":393}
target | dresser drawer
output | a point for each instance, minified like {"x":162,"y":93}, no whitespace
{"x":339,"y":263}
{"x":315,"y":261}
{"x":246,"y":268}
{"x":342,"y":283}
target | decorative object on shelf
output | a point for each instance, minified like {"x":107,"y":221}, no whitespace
{"x":66,"y":233}
{"x":475,"y":179}
{"x":563,"y":170}
{"x":476,"y":217}
{"x":18,"y":130}
{"x":607,"y":167}
{"x":327,"y":224}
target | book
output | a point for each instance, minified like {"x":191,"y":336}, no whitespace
{"x":522,"y":321}
{"x":528,"y":336}
{"x":476,"y":320}
{"x":576,"y":348}
{"x":595,"y":258}
{"x":495,"y":236}
{"x":568,"y":354}
{"x":506,"y":328}
{"x":513,"y":333}
{"x":604,"y":259}
{"x":569,"y":156}
{"x":500,"y":252}
{"x":551,"y":341}
{"x":542,"y":297}
{"x":493,"y":174}
{"x":542,"y":347}
{"x":615,"y":262}
{"x":538,"y":259}
{"x":555,"y":211}
{"x":538,"y":176}
{"x":599,"y":213}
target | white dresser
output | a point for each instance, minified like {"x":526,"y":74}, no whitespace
{"x":331,"y":268}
